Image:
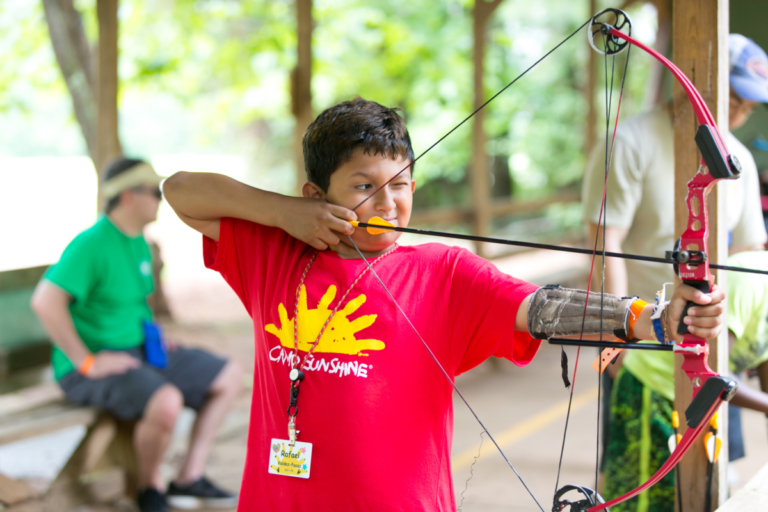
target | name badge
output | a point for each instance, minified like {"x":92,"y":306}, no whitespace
{"x":288,"y":460}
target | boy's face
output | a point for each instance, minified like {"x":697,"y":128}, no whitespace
{"x":357,"y":179}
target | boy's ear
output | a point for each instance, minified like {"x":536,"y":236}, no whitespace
{"x":413,"y":186}
{"x":311,"y":190}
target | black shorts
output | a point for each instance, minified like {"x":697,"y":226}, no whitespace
{"x":126,"y":395}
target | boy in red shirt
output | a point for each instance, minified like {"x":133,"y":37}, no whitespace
{"x":376,"y":419}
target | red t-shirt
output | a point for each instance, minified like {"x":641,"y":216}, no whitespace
{"x":374,"y":405}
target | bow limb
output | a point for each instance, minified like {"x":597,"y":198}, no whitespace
{"x":701,"y":409}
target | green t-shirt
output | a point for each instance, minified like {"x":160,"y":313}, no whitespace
{"x":748,"y":311}
{"x":109,"y":276}
{"x":654,"y":369}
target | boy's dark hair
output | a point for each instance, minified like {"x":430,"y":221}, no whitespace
{"x":332,"y":137}
{"x":117,"y":167}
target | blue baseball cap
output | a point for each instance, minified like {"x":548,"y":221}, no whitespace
{"x":749,"y":68}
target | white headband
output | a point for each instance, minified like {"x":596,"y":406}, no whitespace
{"x":141,"y":174}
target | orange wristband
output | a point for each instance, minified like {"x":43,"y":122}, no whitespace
{"x":635,"y":309}
{"x":85,"y":368}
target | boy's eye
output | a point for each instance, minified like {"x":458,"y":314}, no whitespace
{"x":363,"y":186}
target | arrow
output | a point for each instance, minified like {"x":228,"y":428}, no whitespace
{"x":379,"y":226}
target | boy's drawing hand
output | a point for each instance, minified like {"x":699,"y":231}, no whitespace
{"x":317,"y":222}
{"x":704,"y":320}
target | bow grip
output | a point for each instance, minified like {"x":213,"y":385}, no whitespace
{"x":705,"y":287}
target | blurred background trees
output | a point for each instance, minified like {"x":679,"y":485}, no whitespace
{"x":213,"y":77}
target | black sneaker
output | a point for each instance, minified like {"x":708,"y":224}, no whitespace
{"x":200,"y":494}
{"x":151,"y":500}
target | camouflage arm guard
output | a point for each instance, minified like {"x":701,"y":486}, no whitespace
{"x":559,"y":312}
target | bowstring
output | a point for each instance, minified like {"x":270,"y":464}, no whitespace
{"x":601,"y":218}
{"x":604,"y":215}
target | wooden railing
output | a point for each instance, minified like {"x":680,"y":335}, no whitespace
{"x":499,"y":207}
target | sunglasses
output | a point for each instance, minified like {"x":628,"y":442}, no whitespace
{"x":155,"y":192}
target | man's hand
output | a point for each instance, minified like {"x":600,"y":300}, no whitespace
{"x":316,"y":222}
{"x":704,"y":320}
{"x":108,"y":363}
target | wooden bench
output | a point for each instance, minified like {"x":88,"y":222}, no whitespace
{"x":103,"y":467}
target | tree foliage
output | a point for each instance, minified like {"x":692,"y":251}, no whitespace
{"x":226,"y":64}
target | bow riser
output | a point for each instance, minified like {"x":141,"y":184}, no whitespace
{"x":695,"y":353}
{"x":695,"y":237}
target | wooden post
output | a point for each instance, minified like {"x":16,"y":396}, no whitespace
{"x":700,"y":44}
{"x":76,"y":62}
{"x":107,"y":140}
{"x":301,"y":85}
{"x":480,"y":171}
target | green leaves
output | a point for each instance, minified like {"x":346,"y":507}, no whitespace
{"x":220,"y":71}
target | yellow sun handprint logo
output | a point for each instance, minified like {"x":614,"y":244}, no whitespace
{"x":339,"y":336}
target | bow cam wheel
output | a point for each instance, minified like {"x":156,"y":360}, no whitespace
{"x":590,"y":499}
{"x":598,"y":31}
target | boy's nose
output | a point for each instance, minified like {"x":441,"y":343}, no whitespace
{"x":384,"y":200}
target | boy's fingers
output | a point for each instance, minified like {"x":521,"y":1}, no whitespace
{"x":318,"y":244}
{"x":331,"y":239}
{"x":341,"y":226}
{"x":704,"y":322}
{"x":694,"y":295}
{"x":712,"y":310}
{"x":704,"y":332}
{"x":343,"y":213}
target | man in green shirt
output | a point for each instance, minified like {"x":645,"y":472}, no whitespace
{"x":108,"y":353}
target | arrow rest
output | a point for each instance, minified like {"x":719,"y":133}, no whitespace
{"x":591,"y":498}
{"x":613,"y":45}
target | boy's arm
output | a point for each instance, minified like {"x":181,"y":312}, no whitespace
{"x":748,"y":397}
{"x":201,"y":200}
{"x":704,"y":320}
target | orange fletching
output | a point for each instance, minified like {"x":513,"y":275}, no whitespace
{"x":378,"y":221}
